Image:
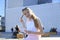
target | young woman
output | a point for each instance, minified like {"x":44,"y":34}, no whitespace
{"x":33,"y":25}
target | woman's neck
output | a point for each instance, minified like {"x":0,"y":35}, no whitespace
{"x":29,"y":19}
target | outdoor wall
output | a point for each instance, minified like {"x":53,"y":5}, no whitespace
{"x":48,"y":13}
{"x":14,"y":3}
{"x":19,"y":3}
{"x":55,"y":1}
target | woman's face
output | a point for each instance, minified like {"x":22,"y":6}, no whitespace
{"x":26,"y":13}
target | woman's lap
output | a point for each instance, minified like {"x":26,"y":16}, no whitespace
{"x":32,"y":37}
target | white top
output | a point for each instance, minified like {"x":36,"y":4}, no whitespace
{"x":31,"y":26}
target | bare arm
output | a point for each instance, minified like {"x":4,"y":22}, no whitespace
{"x":23,"y":23}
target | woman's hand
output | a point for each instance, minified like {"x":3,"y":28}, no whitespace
{"x":23,"y":23}
{"x":21,"y":20}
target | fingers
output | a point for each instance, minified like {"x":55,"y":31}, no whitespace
{"x":22,"y":16}
{"x":21,"y":20}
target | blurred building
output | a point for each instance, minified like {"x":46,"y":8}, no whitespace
{"x":20,"y":3}
{"x":49,"y":12}
{"x":2,"y":24}
{"x":0,"y":19}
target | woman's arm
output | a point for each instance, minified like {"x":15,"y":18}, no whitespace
{"x":23,"y":23}
{"x":30,"y":32}
{"x":40,"y":28}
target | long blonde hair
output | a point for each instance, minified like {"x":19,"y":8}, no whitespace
{"x":33,"y":16}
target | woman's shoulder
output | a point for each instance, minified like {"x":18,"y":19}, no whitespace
{"x":39,"y":20}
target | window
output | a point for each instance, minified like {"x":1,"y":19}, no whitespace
{"x":44,"y":1}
